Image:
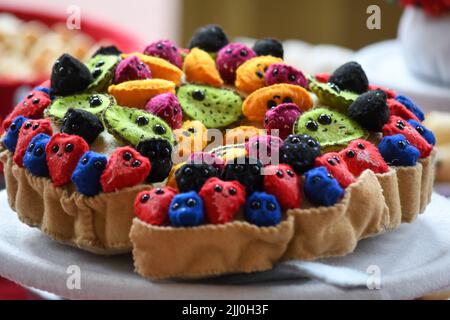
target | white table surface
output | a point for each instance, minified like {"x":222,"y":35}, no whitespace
{"x":384,"y":65}
{"x":414,"y":261}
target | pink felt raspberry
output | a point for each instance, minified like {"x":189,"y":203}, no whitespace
{"x":167,"y":107}
{"x":283,"y":73}
{"x":131,"y":68}
{"x":282,"y":118}
{"x":230,"y":58}
{"x":167,"y":50}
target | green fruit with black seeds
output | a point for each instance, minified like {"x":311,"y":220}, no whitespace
{"x":331,"y":96}
{"x":333,"y":130}
{"x":93,"y":103}
{"x":134,"y":125}
{"x":102,"y":68}
{"x":214,"y":107}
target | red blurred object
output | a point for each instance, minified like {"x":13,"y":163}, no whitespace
{"x":323,"y":77}
{"x":97,"y":30}
{"x":11,"y":291}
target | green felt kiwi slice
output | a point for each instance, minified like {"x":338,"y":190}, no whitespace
{"x":214,"y":107}
{"x":331,"y":96}
{"x":93,"y":103}
{"x":135,"y":125}
{"x":102,"y":68}
{"x":333,"y":130}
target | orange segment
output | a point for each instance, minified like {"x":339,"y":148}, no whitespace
{"x":200,"y":67}
{"x":160,"y":68}
{"x":136,"y":93}
{"x":191,"y":137}
{"x":250,"y":75}
{"x":241,"y":134}
{"x":256,"y":105}
{"x":171,"y":180}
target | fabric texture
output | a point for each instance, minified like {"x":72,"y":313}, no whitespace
{"x":413,"y":261}
{"x":101,"y":224}
{"x":207,"y":250}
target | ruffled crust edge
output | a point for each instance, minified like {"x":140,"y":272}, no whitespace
{"x":335,"y":231}
{"x":102,"y":224}
{"x":99,"y":224}
{"x":209,"y":250}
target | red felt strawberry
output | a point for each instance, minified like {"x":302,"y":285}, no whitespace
{"x":361,"y":155}
{"x":32,"y":107}
{"x":63,"y":152}
{"x":222,"y":199}
{"x":389,"y":93}
{"x":322,"y":77}
{"x":398,"y":109}
{"x":397,"y":125}
{"x":152,"y":206}
{"x":126,"y":168}
{"x":27,"y":132}
{"x":282,"y":182}
{"x":338,"y":168}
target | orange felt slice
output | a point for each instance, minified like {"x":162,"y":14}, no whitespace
{"x":160,"y":68}
{"x":136,"y":93}
{"x":241,"y":134}
{"x":250,"y":75}
{"x":200,"y":67}
{"x":256,"y":104}
{"x":191,"y":137}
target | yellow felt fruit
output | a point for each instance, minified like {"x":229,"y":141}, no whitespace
{"x":250,"y":75}
{"x":241,"y":134}
{"x":191,"y":137}
{"x":256,"y":104}
{"x":136,"y":93}
{"x":160,"y":68}
{"x":200,"y":67}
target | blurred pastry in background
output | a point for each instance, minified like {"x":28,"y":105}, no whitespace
{"x":29,"y":48}
{"x":439,"y":123}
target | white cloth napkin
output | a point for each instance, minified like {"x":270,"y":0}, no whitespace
{"x":410,"y":262}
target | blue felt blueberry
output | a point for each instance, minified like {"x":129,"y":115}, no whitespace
{"x":86,"y":175}
{"x":397,"y":151}
{"x":186,"y":210}
{"x":34,"y":159}
{"x":42,"y":89}
{"x":321,"y":188}
{"x":10,"y":140}
{"x":262,"y":209}
{"x":411,"y":106}
{"x":424,"y":132}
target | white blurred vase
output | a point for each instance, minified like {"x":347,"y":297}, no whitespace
{"x":425,"y":42}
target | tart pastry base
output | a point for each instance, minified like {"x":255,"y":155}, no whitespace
{"x":99,"y":224}
{"x":166,"y":252}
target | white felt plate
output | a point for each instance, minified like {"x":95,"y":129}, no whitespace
{"x":384,"y":65}
{"x":412,"y":261}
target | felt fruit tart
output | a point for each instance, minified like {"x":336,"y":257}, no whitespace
{"x":215,"y":159}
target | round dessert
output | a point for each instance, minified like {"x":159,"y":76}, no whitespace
{"x":132,"y":153}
